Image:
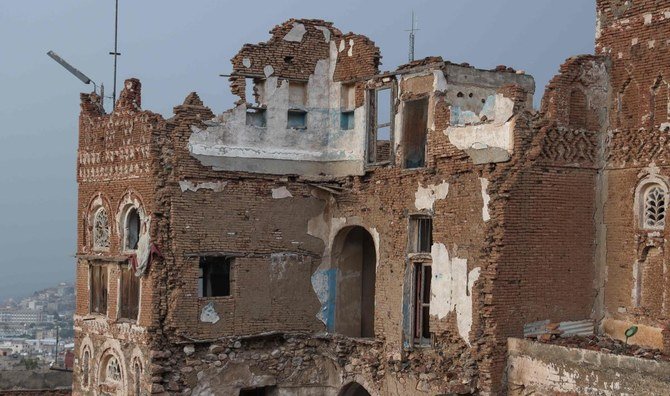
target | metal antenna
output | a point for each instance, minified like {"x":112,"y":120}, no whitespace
{"x":411,"y":37}
{"x":75,"y":72}
{"x":116,"y":52}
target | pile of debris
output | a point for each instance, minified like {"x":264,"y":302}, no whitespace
{"x":609,"y":345}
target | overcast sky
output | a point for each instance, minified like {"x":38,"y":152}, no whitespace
{"x":175,"y":47}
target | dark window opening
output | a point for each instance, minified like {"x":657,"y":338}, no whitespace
{"x":214,"y":279}
{"x":132,"y":229}
{"x":421,"y":234}
{"x":380,"y":129}
{"x":422,"y":278}
{"x":98,"y":289}
{"x":130,"y":293}
{"x":257,"y":117}
{"x":414,"y":132}
{"x":262,"y":391}
{"x":347,"y":120}
{"x":86,"y":368}
{"x":297,"y":119}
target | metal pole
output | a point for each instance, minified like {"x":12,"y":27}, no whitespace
{"x":116,"y":50}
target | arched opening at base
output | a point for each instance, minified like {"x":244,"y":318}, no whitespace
{"x":354,"y":389}
{"x":354,"y":257}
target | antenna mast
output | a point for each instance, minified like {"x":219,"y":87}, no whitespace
{"x":116,"y":52}
{"x":411,"y":37}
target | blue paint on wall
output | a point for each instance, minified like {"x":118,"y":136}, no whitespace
{"x":329,"y":313}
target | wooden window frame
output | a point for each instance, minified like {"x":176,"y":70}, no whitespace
{"x":98,"y":300}
{"x":421,"y":283}
{"x":419,"y":225}
{"x":372,"y":102}
{"x":129,"y":294}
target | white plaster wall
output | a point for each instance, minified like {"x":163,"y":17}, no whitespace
{"x":451,"y":289}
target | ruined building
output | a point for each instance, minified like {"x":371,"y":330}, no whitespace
{"x":347,"y":231}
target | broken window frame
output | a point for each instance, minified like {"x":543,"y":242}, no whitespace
{"x":205,"y":273}
{"x":372,"y":99}
{"x":98,"y":281}
{"x":421,"y":293}
{"x":129,"y":294}
{"x":256,"y":109}
{"x":420,"y":234}
{"x":406,"y":134}
{"x":294,"y":112}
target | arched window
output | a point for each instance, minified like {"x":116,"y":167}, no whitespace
{"x":137,"y":368}
{"x":132,"y":228}
{"x":100,"y":229}
{"x":654,"y":205}
{"x":85,"y":368}
{"x":112,"y":372}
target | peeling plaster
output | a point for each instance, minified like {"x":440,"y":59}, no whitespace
{"x":425,"y":198}
{"x":351,"y":48}
{"x":187,"y":185}
{"x":296,"y":33}
{"x":208,"y":313}
{"x":486,"y":216}
{"x":246,"y":62}
{"x":375,"y":238}
{"x":341,"y":46}
{"x":451,"y":289}
{"x":268,"y":70}
{"x":281,"y":192}
{"x":325,"y":31}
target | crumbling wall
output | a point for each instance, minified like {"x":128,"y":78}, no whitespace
{"x":293,"y":124}
{"x":116,"y":167}
{"x":536,"y":368}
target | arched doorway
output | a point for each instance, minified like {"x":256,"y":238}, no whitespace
{"x":354,"y":389}
{"x":355,"y":260}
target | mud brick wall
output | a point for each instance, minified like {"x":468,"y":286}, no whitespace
{"x":634,"y":35}
{"x":116,"y":161}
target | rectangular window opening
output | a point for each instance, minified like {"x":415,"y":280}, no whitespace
{"x":297,"y":119}
{"x":98,"y":279}
{"x":262,"y":391}
{"x":422,"y":279}
{"x":130,"y":293}
{"x":347,"y":120}
{"x":257,"y":117}
{"x":414,"y":133}
{"x":380,"y":113}
{"x":421,"y":234}
{"x":214,"y":278}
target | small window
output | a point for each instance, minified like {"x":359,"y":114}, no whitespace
{"x":654,"y":207}
{"x":130,"y":293}
{"x":214,"y":279}
{"x":98,"y":279}
{"x":422,"y":279}
{"x":132,"y":229}
{"x":112,"y":371}
{"x":347,"y":120}
{"x":421,"y":234}
{"x":138,"y":377}
{"x":257,"y":117}
{"x":262,"y":391}
{"x":85,"y":368}
{"x":297,"y":119}
{"x":100,"y":229}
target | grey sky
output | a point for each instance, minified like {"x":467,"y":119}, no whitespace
{"x":176,"y":47}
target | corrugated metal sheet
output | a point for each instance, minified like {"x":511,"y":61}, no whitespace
{"x":579,"y":328}
{"x":566,"y":329}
